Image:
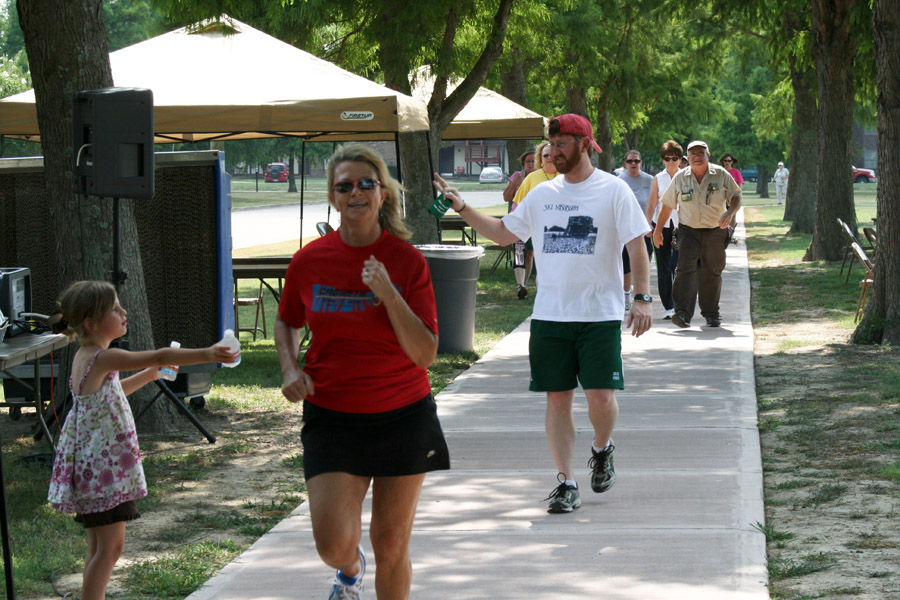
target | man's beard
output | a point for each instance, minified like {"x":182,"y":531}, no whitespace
{"x":569,"y":164}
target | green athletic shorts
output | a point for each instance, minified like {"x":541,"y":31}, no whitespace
{"x":562,"y":354}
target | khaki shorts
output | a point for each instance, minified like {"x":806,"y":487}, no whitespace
{"x":563,"y":354}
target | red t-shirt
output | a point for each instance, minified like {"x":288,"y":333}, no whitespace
{"x":355,"y":360}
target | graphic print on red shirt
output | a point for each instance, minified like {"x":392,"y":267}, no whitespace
{"x":355,"y":360}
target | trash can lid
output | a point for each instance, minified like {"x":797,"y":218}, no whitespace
{"x":451,"y":252}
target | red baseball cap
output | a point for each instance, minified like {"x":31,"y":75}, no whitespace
{"x":572,"y":124}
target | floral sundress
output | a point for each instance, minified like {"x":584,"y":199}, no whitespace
{"x":98,"y":462}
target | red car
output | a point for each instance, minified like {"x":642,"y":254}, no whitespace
{"x":863,"y":175}
{"x":276,"y":172}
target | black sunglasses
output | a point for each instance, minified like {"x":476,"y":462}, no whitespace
{"x":545,"y":155}
{"x":631,"y":161}
{"x":365,"y":184}
{"x":671,"y":158}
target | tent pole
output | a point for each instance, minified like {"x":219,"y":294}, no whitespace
{"x":397,"y":152}
{"x":437,"y":222}
{"x":302,"y":184}
{"x":328,"y":214}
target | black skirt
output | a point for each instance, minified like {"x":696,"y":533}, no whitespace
{"x":405,"y":441}
{"x":127,"y":511}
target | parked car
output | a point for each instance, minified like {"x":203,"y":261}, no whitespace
{"x":862,"y":175}
{"x":491,"y":175}
{"x":750,"y":174}
{"x":276,"y":172}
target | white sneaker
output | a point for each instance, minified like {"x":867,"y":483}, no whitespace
{"x":353,"y":591}
{"x":669,"y":314}
{"x":628,"y":300}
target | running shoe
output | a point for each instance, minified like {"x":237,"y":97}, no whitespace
{"x":564,"y":498}
{"x":603,"y":472}
{"x":349,"y":591}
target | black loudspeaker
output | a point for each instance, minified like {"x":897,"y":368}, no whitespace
{"x":113,"y":142}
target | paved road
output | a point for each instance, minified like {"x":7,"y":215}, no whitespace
{"x":678,"y":525}
{"x":273,"y":224}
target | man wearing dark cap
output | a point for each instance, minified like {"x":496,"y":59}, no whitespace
{"x":707,"y":198}
{"x":579,"y":223}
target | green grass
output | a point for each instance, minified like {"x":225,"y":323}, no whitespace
{"x":177,"y":574}
{"x":811,"y":563}
{"x":773,"y":535}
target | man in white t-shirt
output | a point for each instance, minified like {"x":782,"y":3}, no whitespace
{"x":578,"y":223}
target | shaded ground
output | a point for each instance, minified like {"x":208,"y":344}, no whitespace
{"x":232,"y":490}
{"x":830,"y":431}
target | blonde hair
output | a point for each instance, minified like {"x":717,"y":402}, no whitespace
{"x":391,"y":214}
{"x":81,"y":301}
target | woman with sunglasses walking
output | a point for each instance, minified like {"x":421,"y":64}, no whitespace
{"x":666,"y":254}
{"x":368,"y":414}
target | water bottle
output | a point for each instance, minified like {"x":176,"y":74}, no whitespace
{"x":440,"y":206}
{"x":233,"y":345}
{"x":171,"y":372}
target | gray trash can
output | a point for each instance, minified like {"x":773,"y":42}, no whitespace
{"x":454,"y":275}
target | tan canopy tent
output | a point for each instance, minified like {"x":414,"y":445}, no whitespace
{"x":209,"y":84}
{"x":488,"y":115}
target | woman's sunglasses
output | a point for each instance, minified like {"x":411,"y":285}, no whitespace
{"x":365,"y":184}
{"x":671,"y":158}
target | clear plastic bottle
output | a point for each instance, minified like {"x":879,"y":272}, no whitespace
{"x":234,"y":345}
{"x":171,"y":372}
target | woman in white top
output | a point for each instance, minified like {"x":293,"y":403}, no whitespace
{"x":666,"y":255}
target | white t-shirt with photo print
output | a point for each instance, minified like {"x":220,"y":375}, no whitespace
{"x":578,"y":230}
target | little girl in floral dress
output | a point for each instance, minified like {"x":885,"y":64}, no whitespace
{"x":97,"y":472}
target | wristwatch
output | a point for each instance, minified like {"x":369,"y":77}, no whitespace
{"x":647,"y":298}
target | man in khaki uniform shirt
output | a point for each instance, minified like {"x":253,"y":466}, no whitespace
{"x":706,"y":197}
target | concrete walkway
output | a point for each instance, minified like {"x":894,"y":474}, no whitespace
{"x":679,"y":523}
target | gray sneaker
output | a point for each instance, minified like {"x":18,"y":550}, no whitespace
{"x":353,"y":591}
{"x":564,"y":498}
{"x":603,"y":472}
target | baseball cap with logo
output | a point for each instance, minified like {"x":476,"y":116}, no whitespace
{"x":572,"y":124}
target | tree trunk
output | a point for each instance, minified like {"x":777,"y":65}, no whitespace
{"x":417,"y":172}
{"x":513,"y":86}
{"x":762,"y":181}
{"x":67,"y":52}
{"x":415,"y":150}
{"x":800,"y":207}
{"x":603,"y":133}
{"x":834,"y":50}
{"x":292,"y":182}
{"x":881,"y":321}
{"x":576,"y":97}
{"x":632,"y":139}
